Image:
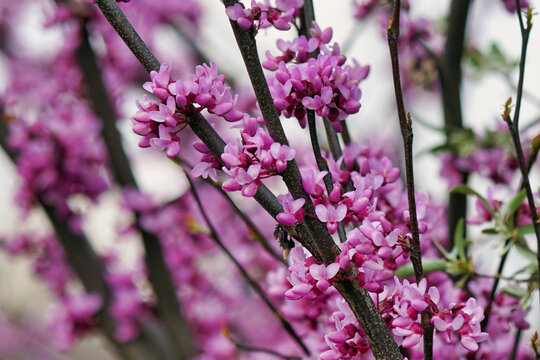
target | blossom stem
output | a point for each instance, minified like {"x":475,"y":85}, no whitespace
{"x":333,"y":140}
{"x":307,"y":17}
{"x":513,"y":126}
{"x":407,"y":135}
{"x":345,"y":135}
{"x":321,"y":164}
{"x":254,"y":284}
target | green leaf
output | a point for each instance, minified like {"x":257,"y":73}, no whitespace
{"x":429,"y":265}
{"x":525,"y":230}
{"x":515,"y":291}
{"x":490,"y":231}
{"x":526,"y":253}
{"x":515,"y":203}
{"x":459,"y":241}
{"x":428,"y":125}
{"x":467,"y":190}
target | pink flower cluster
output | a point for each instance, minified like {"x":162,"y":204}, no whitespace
{"x":72,"y":318}
{"x":253,"y":158}
{"x":248,"y":160}
{"x":401,"y":309}
{"x":347,"y":339}
{"x":128,"y":308}
{"x":300,"y":49}
{"x":308,"y":279}
{"x":374,"y":254}
{"x":511,"y":5}
{"x":465,"y":320}
{"x":59,"y":156}
{"x":263,"y":14}
{"x":321,"y":84}
{"x":160,"y":121}
{"x":494,"y":163}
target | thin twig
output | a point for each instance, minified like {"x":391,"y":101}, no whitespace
{"x":249,"y":348}
{"x":515,"y":347}
{"x":502,"y":261}
{"x":254,"y":284}
{"x":513,"y":126}
{"x":306,"y":19}
{"x":321,"y":164}
{"x":252,"y":228}
{"x":407,"y":135}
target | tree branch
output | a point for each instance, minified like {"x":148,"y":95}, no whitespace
{"x":407,"y":135}
{"x":513,"y":126}
{"x":381,"y":340}
{"x":254,"y":284}
{"x":450,"y":74}
{"x":167,"y":302}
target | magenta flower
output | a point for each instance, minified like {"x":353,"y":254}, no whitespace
{"x":166,"y":142}
{"x":331,"y":215}
{"x":323,"y":274}
{"x":292,"y":210}
{"x":281,"y":154}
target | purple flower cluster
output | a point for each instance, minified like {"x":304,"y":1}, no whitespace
{"x":463,"y":320}
{"x":510,"y":5}
{"x":59,"y":156}
{"x":308,"y":279}
{"x":253,"y":158}
{"x":263,"y":14}
{"x":160,"y":121}
{"x":128,"y":309}
{"x":496,"y":164}
{"x":248,"y":160}
{"x":374,"y":253}
{"x":322,"y":84}
{"x":300,"y":49}
{"x":371,"y":176}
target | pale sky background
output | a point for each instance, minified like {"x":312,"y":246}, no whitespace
{"x":482,"y":103}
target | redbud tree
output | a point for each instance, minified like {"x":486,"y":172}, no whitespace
{"x":294,"y":236}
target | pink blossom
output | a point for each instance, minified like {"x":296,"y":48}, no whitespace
{"x":292,"y":210}
{"x":331,"y":215}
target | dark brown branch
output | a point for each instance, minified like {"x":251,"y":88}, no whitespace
{"x":115,"y":16}
{"x":450,"y":74}
{"x":254,"y":284}
{"x":513,"y":126}
{"x":381,"y":340}
{"x":167,"y":302}
{"x":407,"y":135}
